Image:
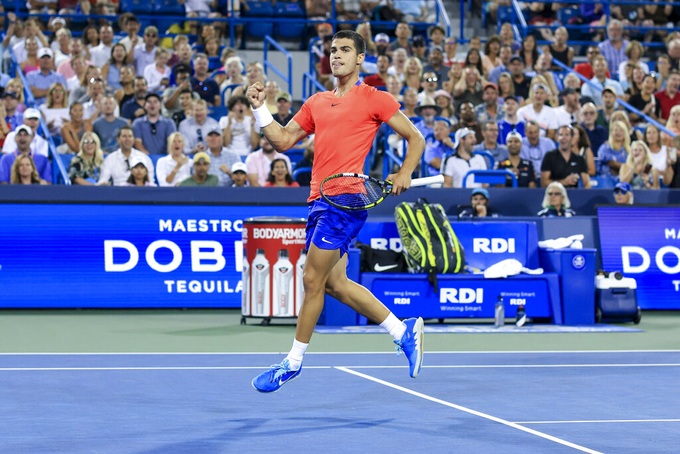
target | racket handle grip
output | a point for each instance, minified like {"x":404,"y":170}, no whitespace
{"x":437,"y":179}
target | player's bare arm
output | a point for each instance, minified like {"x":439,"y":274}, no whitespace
{"x":416,"y":145}
{"x":281,"y":138}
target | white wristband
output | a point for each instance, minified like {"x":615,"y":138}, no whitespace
{"x":263,"y":116}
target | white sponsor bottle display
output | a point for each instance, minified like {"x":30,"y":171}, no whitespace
{"x":260,"y":284}
{"x":299,"y":286}
{"x":283,"y":291}
{"x":245,"y":286}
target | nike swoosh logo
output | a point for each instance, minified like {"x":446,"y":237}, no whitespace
{"x":323,"y":238}
{"x":333,"y":105}
{"x":380,"y":268}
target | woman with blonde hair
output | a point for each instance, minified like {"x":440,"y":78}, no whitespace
{"x":24,"y":171}
{"x":413,"y":73}
{"x":31,"y":61}
{"x":398,"y":68}
{"x":673,"y":125}
{"x":622,"y":115}
{"x":175,"y":167}
{"x":86,"y":166}
{"x":614,"y":152}
{"x":55,"y":110}
{"x":546,"y":79}
{"x":556,"y":202}
{"x":17,"y":87}
{"x":638,"y":170}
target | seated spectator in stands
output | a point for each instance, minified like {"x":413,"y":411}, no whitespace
{"x":31,"y":29}
{"x":633,"y":85}
{"x":402,"y":33}
{"x":200,"y":176}
{"x":479,"y":206}
{"x":127,"y":90}
{"x":504,"y":56}
{"x":414,"y":74}
{"x":521,"y":82}
{"x":116,"y":167}
{"x":528,"y":53}
{"x":437,"y":146}
{"x":491,"y":58}
{"x":435,"y":64}
{"x":560,"y":50}
{"x":271,"y":91}
{"x":239,"y":175}
{"x":622,"y":115}
{"x":428,"y":86}
{"x":241,"y":134}
{"x":556,"y":202}
{"x":17,"y":87}
{"x":597,"y":133}
{"x":92,"y":100}
{"x":212,"y":50}
{"x":143,"y":54}
{"x":31,"y":61}
{"x":152,"y":130}
{"x":572,"y":81}
{"x":564,"y":166}
{"x":279,"y":175}
{"x":55,"y":111}
{"x":9,"y":117}
{"x":670,"y":96}
{"x":657,"y":150}
{"x":586,"y":68}
{"x":490,"y":143}
{"x":112,"y":68}
{"x":76,"y":49}
{"x":73,"y":129}
{"x":234,"y":68}
{"x":221,"y":159}
{"x":85,"y":166}
{"x":201,"y":82}
{"x":614,"y":151}
{"x":79,"y":84}
{"x":184,"y":56}
{"x":580,"y":145}
{"x":539,"y":112}
{"x":543,"y":75}
{"x":507,"y":36}
{"x":101,"y":53}
{"x":21,"y":146}
{"x":510,"y":122}
{"x":569,"y":112}
{"x":645,"y":101}
{"x":398,"y":67}
{"x":467,"y":119}
{"x":522,"y":168}
{"x":673,"y":50}
{"x":175,"y":167}
{"x":24,"y":171}
{"x":411,"y":10}
{"x":378,"y":79}
{"x":638,"y":170}
{"x":444,"y":100}
{"x":41,"y":80}
{"x":139,"y":174}
{"x":394,"y":87}
{"x":534,"y":146}
{"x":489,"y":110}
{"x":473,"y":59}
{"x":410,"y":102}
{"x":254,"y":73}
{"x":307,"y":161}
{"x":196,"y":127}
{"x":134,"y":107}
{"x":283,"y":108}
{"x":186,"y":105}
{"x":38,"y":145}
{"x":634,"y":53}
{"x":427,"y":110}
{"x":458,"y":164}
{"x":470,"y":88}
{"x":107,"y":125}
{"x":171,"y":95}
{"x":623,"y":193}
{"x":673,"y":125}
{"x":613,"y":48}
{"x":663,"y":70}
{"x":61,"y":46}
{"x":259,"y":162}
{"x":600,"y":82}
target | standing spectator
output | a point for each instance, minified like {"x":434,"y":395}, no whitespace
{"x":537,"y":111}
{"x":457,"y":165}
{"x":101,"y":53}
{"x":490,"y":143}
{"x":259,"y":162}
{"x":196,"y":127}
{"x":438,"y":146}
{"x":200,"y":176}
{"x":116,"y":166}
{"x":645,"y":101}
{"x":152,"y":130}
{"x":41,"y":80}
{"x":38,"y":145}
{"x":175,"y":167}
{"x":221,"y":159}
{"x":594,"y":88}
{"x":560,"y":50}
{"x":202,"y":84}
{"x":21,"y":146}
{"x":143,"y":54}
{"x":107,"y":125}
{"x":85,"y":166}
{"x":614,"y":47}
{"x":534,"y":146}
{"x":522,"y":168}
{"x":510,"y":122}
{"x":670,"y":96}
{"x":134,"y":108}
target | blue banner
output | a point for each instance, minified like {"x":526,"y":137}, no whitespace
{"x":96,"y":255}
{"x":642,"y":243}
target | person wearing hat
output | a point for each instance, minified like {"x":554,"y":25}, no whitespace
{"x":139,"y":173}
{"x":445,"y":101}
{"x":221,"y":159}
{"x":239,"y":175}
{"x":522,"y":168}
{"x":458,"y":164}
{"x":489,"y":110}
{"x":427,"y":110}
{"x":435,"y":64}
{"x":22,"y":140}
{"x":9,"y":113}
{"x":284,"y":103}
{"x":593,"y":89}
{"x":38,"y":144}
{"x":569,"y":112}
{"x":152,"y":130}
{"x":201,"y":177}
{"x":608,"y":107}
{"x":40,"y":80}
{"x":116,"y":166}
{"x":539,"y":112}
{"x":623,"y":193}
{"x":479,"y":206}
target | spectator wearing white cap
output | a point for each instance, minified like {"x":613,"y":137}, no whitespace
{"x":40,"y":80}
{"x":22,"y":147}
{"x":38,"y":144}
{"x":522,"y":168}
{"x":139,"y":173}
{"x":239,"y":175}
{"x":537,"y":111}
{"x":458,"y":164}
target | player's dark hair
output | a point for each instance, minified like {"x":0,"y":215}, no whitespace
{"x":359,"y":43}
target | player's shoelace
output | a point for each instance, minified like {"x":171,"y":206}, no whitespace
{"x":279,"y":371}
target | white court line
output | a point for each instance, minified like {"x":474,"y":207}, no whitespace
{"x":599,"y":421}
{"x":43,"y":369}
{"x":523,"y":366}
{"x":471,"y":411}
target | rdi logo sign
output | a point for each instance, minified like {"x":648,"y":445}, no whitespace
{"x":493,"y":245}
{"x":461,"y":295}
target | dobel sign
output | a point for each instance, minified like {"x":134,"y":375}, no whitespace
{"x":206,"y":256}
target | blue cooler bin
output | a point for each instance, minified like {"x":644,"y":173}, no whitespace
{"x":576,"y":269}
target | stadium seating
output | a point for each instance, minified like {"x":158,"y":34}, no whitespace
{"x":264,"y":11}
{"x":492,"y":177}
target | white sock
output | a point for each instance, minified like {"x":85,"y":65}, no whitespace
{"x":297,"y":352}
{"x":394,"y":326}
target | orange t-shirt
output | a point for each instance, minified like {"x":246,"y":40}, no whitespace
{"x":344,"y":129}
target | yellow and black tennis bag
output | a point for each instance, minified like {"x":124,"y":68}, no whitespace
{"x":429,"y":243}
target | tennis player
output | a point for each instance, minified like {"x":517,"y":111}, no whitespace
{"x":344,"y":122}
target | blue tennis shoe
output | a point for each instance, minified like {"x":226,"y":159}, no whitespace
{"x":274,"y":378}
{"x":411,"y":344}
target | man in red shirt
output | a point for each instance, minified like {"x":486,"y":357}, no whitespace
{"x":378,"y":79}
{"x":344,"y":122}
{"x":670,"y":96}
{"x":586,"y":68}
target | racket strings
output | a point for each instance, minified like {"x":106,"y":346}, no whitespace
{"x":353,"y":192}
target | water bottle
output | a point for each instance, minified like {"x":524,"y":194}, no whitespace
{"x":521,"y":317}
{"x":499,"y":313}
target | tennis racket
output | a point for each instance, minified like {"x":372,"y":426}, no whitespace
{"x":354,"y":191}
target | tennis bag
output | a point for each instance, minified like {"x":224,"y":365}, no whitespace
{"x":429,"y":243}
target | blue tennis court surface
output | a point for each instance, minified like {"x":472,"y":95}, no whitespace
{"x":470,"y":402}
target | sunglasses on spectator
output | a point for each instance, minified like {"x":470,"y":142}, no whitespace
{"x":618,"y":191}
{"x":431,"y":79}
{"x":588,"y":112}
{"x":86,"y":141}
{"x":551,"y":194}
{"x":153,"y":129}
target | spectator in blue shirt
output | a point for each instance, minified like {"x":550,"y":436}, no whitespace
{"x":152,"y":130}
{"x":40,"y":80}
{"x":437,"y":146}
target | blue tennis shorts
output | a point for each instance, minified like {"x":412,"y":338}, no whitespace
{"x":331,"y":228}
